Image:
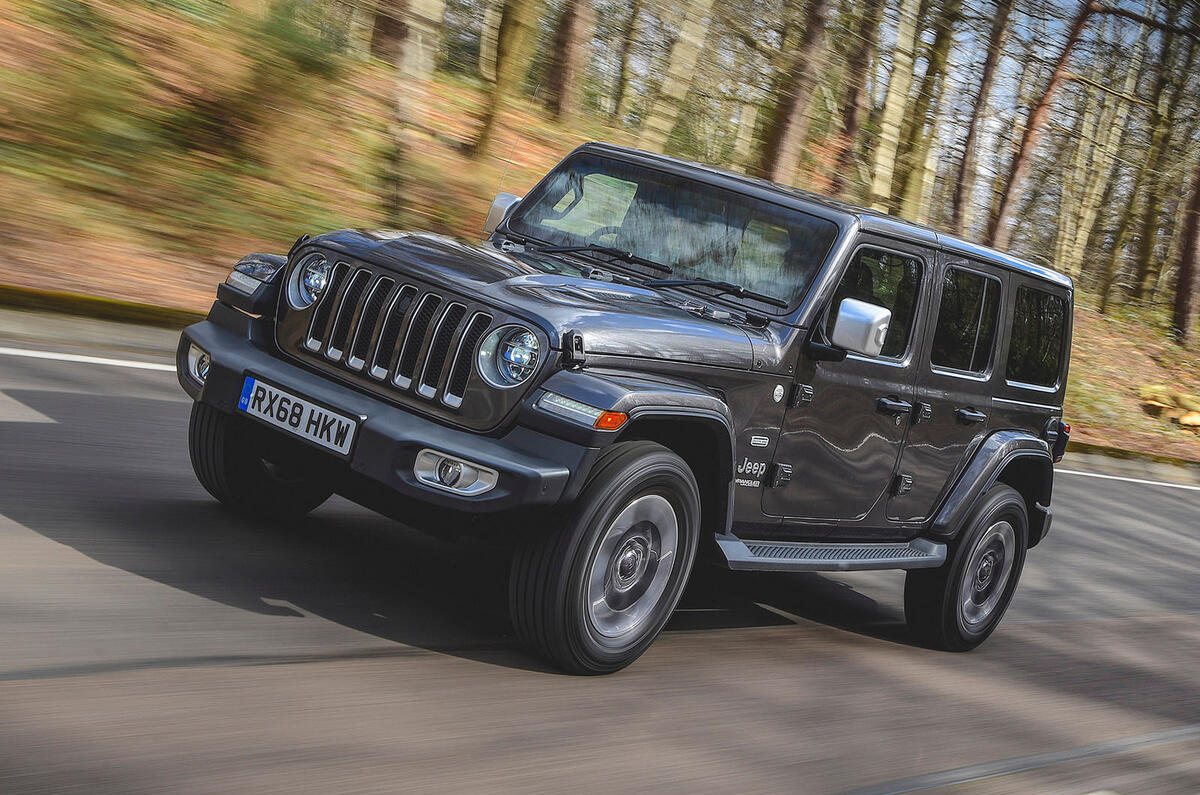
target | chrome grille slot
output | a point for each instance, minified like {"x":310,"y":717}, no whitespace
{"x":464,"y":359}
{"x":381,"y":363}
{"x":443,"y":335}
{"x":414,"y":340}
{"x":346,"y":312}
{"x":367,"y":324}
{"x":320,"y":317}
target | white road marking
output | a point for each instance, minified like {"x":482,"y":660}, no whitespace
{"x":75,"y":357}
{"x":13,"y":410}
{"x":1162,"y":483}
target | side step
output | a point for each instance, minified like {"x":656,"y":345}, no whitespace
{"x":742,"y":555}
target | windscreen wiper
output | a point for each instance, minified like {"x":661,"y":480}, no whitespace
{"x":619,"y":253}
{"x":722,"y":288}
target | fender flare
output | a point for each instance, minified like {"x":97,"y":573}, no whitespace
{"x":647,"y":400}
{"x":994,"y":456}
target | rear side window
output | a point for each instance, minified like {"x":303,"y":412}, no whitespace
{"x":966,"y":324}
{"x":1038,"y":330}
{"x":887,"y":279}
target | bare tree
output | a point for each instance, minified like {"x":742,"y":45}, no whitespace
{"x":565,"y":80}
{"x":788,"y":126}
{"x":1183,"y":318}
{"x":513,"y":53}
{"x":681,"y":64}
{"x":854,"y":101}
{"x":965,"y":178}
{"x":894,"y":105}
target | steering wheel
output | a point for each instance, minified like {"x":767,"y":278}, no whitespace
{"x":595,"y":236}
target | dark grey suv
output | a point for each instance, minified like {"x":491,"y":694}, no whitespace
{"x":649,"y":362}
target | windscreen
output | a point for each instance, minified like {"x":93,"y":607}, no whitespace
{"x":699,"y":230}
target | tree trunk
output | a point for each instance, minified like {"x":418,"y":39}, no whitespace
{"x":1146,"y":266}
{"x":854,"y":102}
{"x":894,"y":104}
{"x":489,"y":39}
{"x":1183,"y":318}
{"x":964,"y":182}
{"x":571,"y":42}
{"x":513,"y":53}
{"x":389,"y":31}
{"x":1109,"y":133}
{"x":681,"y":66}
{"x":999,"y":231}
{"x":620,"y":98}
{"x":788,"y":128}
{"x":916,"y":161}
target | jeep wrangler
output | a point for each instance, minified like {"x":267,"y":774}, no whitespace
{"x":649,"y":361}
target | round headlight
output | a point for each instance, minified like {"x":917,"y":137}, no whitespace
{"x":308,"y":281}
{"x":508,"y":356}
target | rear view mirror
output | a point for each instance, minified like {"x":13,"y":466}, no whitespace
{"x":502,"y":205}
{"x":861,"y":327}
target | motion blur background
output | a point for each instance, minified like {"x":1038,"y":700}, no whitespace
{"x":146,"y":145}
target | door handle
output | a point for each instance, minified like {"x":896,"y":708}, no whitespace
{"x":969,"y":416}
{"x":893,"y":406}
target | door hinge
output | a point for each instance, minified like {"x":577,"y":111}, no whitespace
{"x":902,"y":484}
{"x":780,"y":474}
{"x":801,"y":394}
{"x":924,"y":412}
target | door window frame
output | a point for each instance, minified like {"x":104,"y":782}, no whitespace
{"x":915,"y":336}
{"x":986,"y":375}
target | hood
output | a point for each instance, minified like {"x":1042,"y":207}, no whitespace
{"x":614,"y":318}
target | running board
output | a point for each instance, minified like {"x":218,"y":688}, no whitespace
{"x":806,"y":556}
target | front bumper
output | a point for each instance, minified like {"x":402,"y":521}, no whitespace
{"x":535,"y":468}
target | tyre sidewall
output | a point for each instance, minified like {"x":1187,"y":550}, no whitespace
{"x":658,"y":472}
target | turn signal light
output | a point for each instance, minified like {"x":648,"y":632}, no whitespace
{"x":610,"y":420}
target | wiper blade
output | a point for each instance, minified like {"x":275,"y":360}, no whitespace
{"x":722,"y":288}
{"x":612,"y":251}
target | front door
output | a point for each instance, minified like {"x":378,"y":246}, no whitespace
{"x":955,"y":371}
{"x":842,"y":433}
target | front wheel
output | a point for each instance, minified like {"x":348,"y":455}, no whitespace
{"x":593,"y":594}
{"x":228,"y":465}
{"x":955,"y":607}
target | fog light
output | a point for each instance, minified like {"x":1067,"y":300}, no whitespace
{"x":198,"y":363}
{"x":451,"y":473}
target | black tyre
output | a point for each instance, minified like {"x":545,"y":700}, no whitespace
{"x":231,"y":469}
{"x":955,"y":607}
{"x":593,"y":593}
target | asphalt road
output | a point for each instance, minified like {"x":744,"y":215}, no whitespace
{"x":149,"y":641}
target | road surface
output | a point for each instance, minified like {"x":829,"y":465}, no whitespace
{"x":150,"y":641}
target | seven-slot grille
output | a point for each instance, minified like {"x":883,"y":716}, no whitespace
{"x":399,"y":334}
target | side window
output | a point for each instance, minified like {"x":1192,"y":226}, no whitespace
{"x":1038,"y":330}
{"x":966,"y":323}
{"x":886,"y":279}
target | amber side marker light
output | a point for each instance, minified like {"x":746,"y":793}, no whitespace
{"x":610,"y":420}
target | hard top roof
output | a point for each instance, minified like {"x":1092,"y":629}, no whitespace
{"x":869,"y":220}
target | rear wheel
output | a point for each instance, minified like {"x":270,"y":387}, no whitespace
{"x":593,"y":594}
{"x":957,"y":606}
{"x":231,"y":469}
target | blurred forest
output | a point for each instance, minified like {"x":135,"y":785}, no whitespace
{"x":144,"y":145}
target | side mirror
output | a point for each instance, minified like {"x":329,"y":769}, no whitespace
{"x":502,"y":205}
{"x":861,"y":327}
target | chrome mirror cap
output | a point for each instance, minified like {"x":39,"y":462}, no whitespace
{"x":502,"y":205}
{"x":861,"y":327}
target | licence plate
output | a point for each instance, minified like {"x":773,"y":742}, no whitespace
{"x":297,"y":415}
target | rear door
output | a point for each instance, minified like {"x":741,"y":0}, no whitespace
{"x":955,"y":374}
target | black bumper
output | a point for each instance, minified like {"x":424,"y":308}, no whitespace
{"x":535,"y":469}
